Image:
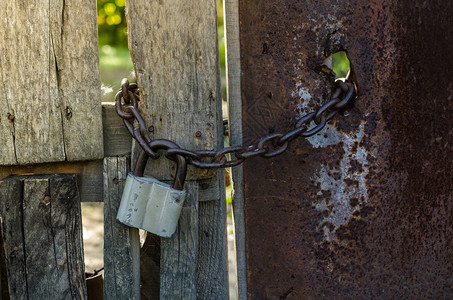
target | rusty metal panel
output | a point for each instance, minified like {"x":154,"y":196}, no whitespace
{"x":364,"y":209}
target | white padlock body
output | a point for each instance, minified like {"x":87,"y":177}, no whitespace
{"x":151,"y":205}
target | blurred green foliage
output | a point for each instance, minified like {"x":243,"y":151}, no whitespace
{"x":112,"y":23}
{"x":221,"y":32}
{"x":112,"y":28}
{"x":340,"y":65}
{"x":111,"y":58}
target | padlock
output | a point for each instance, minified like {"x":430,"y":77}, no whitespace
{"x":150,"y":204}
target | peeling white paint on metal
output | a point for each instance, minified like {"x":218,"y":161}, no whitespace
{"x":329,"y":23}
{"x":304,"y":97}
{"x":300,"y":92}
{"x":339,"y":206}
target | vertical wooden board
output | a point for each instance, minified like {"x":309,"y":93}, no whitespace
{"x":212,"y":262}
{"x":121,"y":243}
{"x":117,"y":139}
{"x":12,"y":230}
{"x":77,"y":65}
{"x":179,"y":253}
{"x":66,"y":218}
{"x":174,"y":49}
{"x":152,"y":260}
{"x":53,"y":238}
{"x":43,"y":237}
{"x":40,"y":261}
{"x":30,"y":86}
{"x":52,"y":108}
{"x":4,"y":290}
{"x":233,"y":70}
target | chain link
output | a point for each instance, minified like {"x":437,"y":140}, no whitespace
{"x":128,"y":97}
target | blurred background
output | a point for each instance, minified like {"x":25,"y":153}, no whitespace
{"x":115,"y":61}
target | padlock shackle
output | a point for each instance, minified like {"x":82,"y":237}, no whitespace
{"x":181,"y":173}
{"x":140,"y":164}
{"x":181,"y":169}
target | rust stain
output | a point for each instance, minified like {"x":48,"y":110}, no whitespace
{"x":363,"y":210}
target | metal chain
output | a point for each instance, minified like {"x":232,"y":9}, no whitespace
{"x":127,"y":98}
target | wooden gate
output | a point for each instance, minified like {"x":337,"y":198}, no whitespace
{"x":52,"y":123}
{"x":363,"y":210}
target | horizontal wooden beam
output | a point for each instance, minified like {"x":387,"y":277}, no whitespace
{"x":117,"y":142}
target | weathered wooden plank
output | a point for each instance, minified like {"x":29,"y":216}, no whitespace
{"x":90,"y":180}
{"x":121,"y":243}
{"x":47,"y":239}
{"x":209,"y":276}
{"x":179,"y":253}
{"x":79,"y":83}
{"x":212,"y":263}
{"x":117,"y":140}
{"x":175,"y":54}
{"x":4,"y":291}
{"x":11,"y":191}
{"x":174,"y":49}
{"x":51,"y":87}
{"x":89,"y":174}
{"x":66,"y":224}
{"x":210,"y":189}
{"x":40,"y":252}
{"x":233,"y":68}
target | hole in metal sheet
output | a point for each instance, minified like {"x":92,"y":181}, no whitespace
{"x":339,"y":63}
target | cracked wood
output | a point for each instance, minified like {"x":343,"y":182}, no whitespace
{"x":42,"y":231}
{"x":174,"y":49}
{"x":175,"y":54}
{"x":51,"y":108}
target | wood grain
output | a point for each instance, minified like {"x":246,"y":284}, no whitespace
{"x":89,"y":175}
{"x":11,"y":191}
{"x":4,"y":291}
{"x":121,"y":243}
{"x":212,"y":262}
{"x":179,"y":253}
{"x":51,"y":88}
{"x":117,"y":142}
{"x":46,"y":241}
{"x":174,"y":49}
